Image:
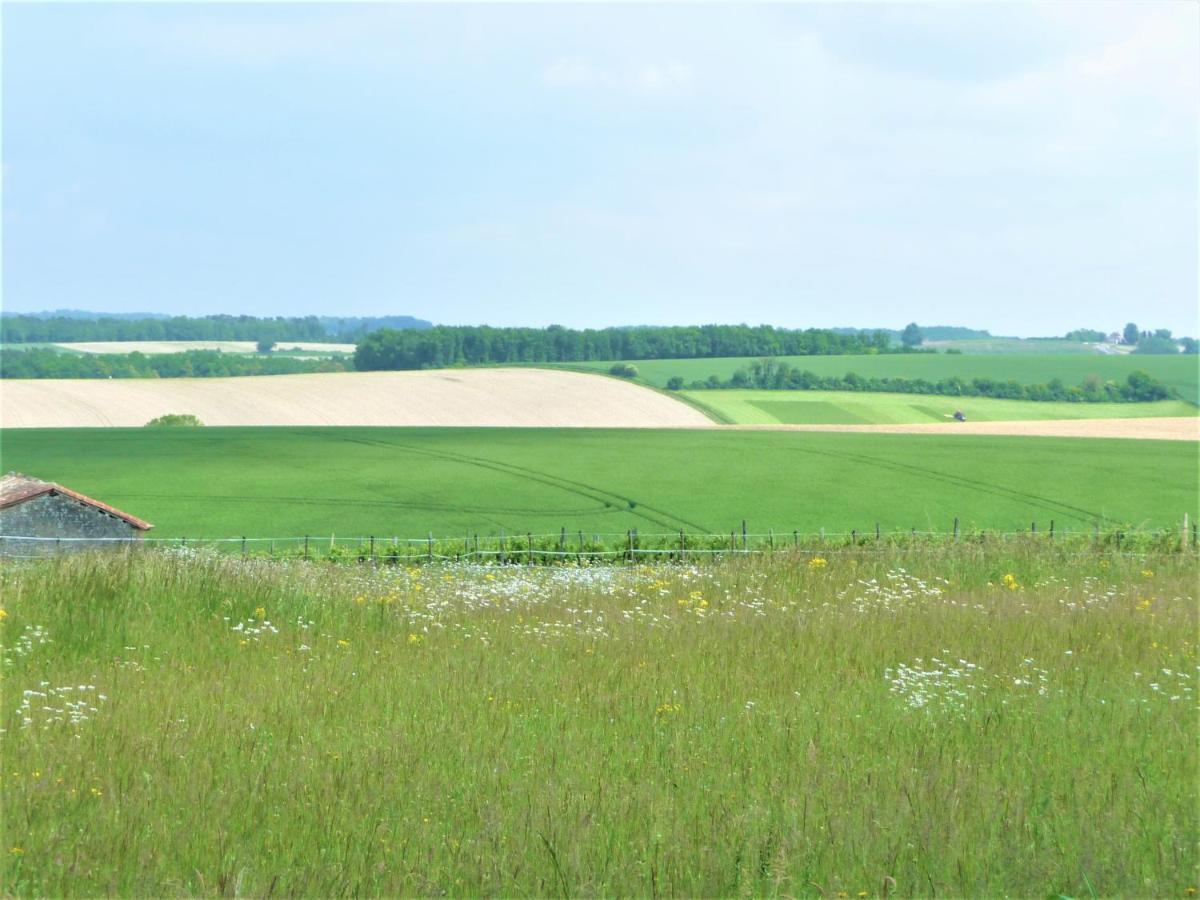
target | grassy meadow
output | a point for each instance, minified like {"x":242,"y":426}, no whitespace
{"x":944,"y":723}
{"x":1179,"y":372}
{"x":406,"y":482}
{"x":755,"y":407}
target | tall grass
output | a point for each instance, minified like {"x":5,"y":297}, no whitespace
{"x":940,"y":720}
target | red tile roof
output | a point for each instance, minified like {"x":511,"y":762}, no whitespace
{"x":17,"y":488}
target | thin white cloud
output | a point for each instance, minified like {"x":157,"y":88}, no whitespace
{"x":654,"y":79}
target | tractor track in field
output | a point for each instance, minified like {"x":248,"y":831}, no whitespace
{"x":372,"y":504}
{"x":1047,"y":503}
{"x":610,"y":499}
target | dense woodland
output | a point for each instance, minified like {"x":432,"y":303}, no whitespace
{"x":41,"y":363}
{"x":476,"y":345}
{"x":769,"y":374}
{"x":29,"y":329}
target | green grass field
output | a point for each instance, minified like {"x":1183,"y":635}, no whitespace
{"x":264,"y":482}
{"x":916,"y":725}
{"x":1179,"y":372}
{"x":1014,"y":346}
{"x":747,"y":407}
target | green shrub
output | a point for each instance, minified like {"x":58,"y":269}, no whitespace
{"x":175,"y":420}
{"x":624,"y":370}
{"x":675,"y":384}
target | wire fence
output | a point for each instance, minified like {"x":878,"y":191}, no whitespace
{"x":563,"y":546}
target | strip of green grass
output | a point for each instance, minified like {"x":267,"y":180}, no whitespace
{"x":262,"y":482}
{"x":1179,"y":372}
{"x":958,"y":724}
{"x":846,"y":407}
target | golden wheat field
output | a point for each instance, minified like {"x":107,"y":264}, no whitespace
{"x":467,"y":397}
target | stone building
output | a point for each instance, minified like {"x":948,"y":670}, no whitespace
{"x":41,"y":518}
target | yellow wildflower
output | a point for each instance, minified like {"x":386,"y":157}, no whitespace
{"x":16,"y":851}
{"x":3,"y":615}
{"x":260,"y":612}
{"x":1147,"y":573}
{"x":414,"y":639}
{"x":343,"y":643}
{"x":817,"y":562}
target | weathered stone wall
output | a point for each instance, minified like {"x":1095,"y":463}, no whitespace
{"x":54,"y":516}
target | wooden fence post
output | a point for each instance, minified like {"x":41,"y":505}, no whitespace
{"x":306,"y":546}
{"x":529,"y":545}
{"x":682,"y":547}
{"x":1051,"y":529}
{"x":743,"y":535}
{"x":876,"y":531}
{"x":430,"y":546}
{"x":956,"y":528}
{"x":243,"y":546}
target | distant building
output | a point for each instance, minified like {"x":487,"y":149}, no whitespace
{"x":1115,"y":338}
{"x":58,"y":519}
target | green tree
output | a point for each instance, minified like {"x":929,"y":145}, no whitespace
{"x":675,"y":384}
{"x":265,"y":345}
{"x":912,"y":335}
{"x":1131,"y":334}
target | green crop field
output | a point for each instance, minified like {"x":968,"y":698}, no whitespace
{"x":749,"y":407}
{"x":1179,"y":372}
{"x":1014,"y":345}
{"x":1019,"y":722}
{"x":260,"y":482}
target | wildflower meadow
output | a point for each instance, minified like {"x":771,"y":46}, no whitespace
{"x":924,"y":722}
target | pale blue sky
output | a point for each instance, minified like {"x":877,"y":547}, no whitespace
{"x":1019,"y":167}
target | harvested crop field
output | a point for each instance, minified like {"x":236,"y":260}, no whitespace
{"x":1160,"y":428}
{"x":475,"y":397}
{"x":183,"y":346}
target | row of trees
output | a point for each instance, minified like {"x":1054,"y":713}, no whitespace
{"x":41,"y":363}
{"x":31,"y":329}
{"x":770,"y":374}
{"x":1157,"y":342}
{"x":473,"y":345}
{"x":24,"y":329}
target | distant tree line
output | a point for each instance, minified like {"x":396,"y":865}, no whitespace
{"x":1158,"y":342}
{"x":774,"y":375}
{"x":29,"y":329}
{"x":44,"y":363}
{"x":445,"y":345}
